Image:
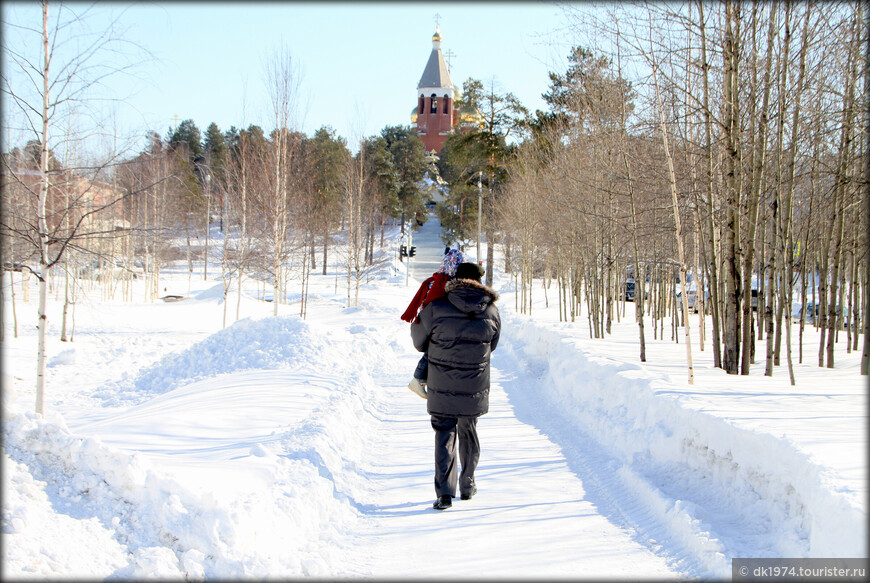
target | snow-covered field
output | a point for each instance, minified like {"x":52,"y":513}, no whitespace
{"x":281,"y":447}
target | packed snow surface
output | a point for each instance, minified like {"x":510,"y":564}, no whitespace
{"x":288,"y":447}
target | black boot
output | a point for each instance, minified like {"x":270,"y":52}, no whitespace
{"x":443,"y":502}
{"x":468,"y":495}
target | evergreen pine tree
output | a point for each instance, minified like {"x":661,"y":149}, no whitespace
{"x":484,"y":149}
{"x":215,"y":146}
{"x":409,"y":161}
{"x":186,"y":136}
{"x":215,"y":153}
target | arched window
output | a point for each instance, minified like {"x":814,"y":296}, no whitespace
{"x":445,"y":103}
{"x":434,"y":107}
{"x":422,"y":101}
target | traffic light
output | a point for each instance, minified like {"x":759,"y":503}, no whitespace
{"x":403,"y":251}
{"x":413,"y":251}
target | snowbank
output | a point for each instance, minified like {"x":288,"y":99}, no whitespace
{"x":721,"y":490}
{"x":265,"y":343}
{"x":291,"y":524}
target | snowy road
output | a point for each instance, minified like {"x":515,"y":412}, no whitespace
{"x":530,"y":517}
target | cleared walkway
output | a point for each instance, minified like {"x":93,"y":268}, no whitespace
{"x":430,"y":249}
{"x":530,"y":517}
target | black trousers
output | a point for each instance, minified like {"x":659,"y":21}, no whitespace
{"x":447,"y":431}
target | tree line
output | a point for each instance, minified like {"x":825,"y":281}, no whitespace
{"x":282,"y":201}
{"x":279,"y":200}
{"x":707,"y":159}
{"x":716,"y":150}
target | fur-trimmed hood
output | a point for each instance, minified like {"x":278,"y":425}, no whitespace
{"x":469,"y":295}
{"x":454,"y":283}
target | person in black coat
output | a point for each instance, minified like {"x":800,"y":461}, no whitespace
{"x":459,"y":332}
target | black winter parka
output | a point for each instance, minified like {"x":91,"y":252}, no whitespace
{"x":459,"y":332}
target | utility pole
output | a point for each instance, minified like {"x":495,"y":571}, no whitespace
{"x":408,"y":268}
{"x":207,"y":220}
{"x":479,"y":209}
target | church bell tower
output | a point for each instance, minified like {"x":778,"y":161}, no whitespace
{"x":435,"y":94}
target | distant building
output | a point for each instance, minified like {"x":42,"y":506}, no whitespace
{"x":74,"y":204}
{"x":436,"y":114}
{"x":435,"y":117}
{"x":433,"y":192}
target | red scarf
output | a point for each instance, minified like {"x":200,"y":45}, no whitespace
{"x":431,"y":289}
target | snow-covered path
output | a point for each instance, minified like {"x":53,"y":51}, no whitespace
{"x":530,"y":518}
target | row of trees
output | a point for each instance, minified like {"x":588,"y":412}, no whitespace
{"x":159,"y":206}
{"x":719,"y":146}
{"x":165,"y":201}
{"x":282,"y":200}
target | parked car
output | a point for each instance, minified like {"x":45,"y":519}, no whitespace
{"x":691,"y":296}
{"x":628,"y":291}
{"x":813,"y":312}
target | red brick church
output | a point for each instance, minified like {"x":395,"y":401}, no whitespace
{"x":435,"y":115}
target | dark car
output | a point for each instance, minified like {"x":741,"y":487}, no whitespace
{"x":628,"y":291}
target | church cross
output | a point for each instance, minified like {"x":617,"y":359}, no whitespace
{"x":437,"y":19}
{"x":449,"y":54}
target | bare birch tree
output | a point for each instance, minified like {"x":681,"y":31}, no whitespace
{"x":44,"y":91}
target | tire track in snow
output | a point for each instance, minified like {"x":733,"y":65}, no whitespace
{"x":695,"y":488}
{"x":610,"y":486}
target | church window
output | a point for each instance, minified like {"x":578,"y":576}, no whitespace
{"x":434,"y":107}
{"x":445,"y":103}
{"x":422,"y":101}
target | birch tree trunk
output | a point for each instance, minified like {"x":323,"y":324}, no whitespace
{"x":755,"y":195}
{"x":730,"y":56}
{"x":840,"y":191}
{"x":243,"y":225}
{"x":672,"y":180}
{"x":42,"y":225}
{"x":283,"y":83}
{"x":788,"y":206}
{"x":865,"y":356}
{"x":639,"y":288}
{"x":713,"y":260}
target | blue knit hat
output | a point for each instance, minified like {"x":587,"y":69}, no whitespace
{"x":451,"y":261}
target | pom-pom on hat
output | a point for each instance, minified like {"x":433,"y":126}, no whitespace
{"x":469,"y":271}
{"x":451,"y":261}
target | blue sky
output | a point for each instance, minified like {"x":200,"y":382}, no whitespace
{"x":359,"y":62}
